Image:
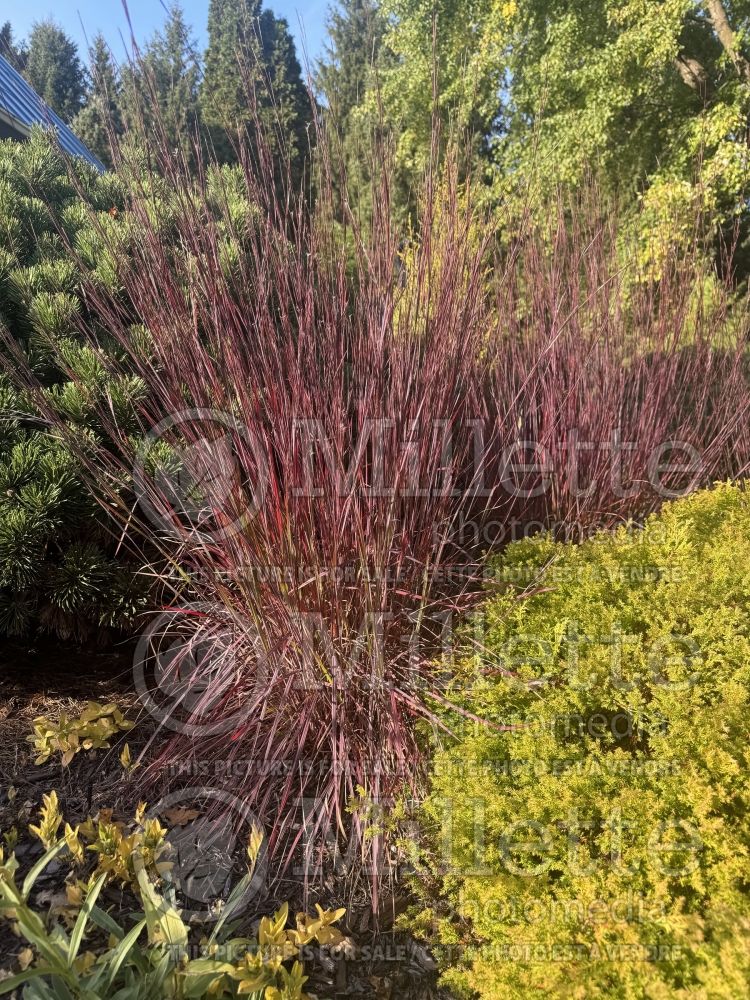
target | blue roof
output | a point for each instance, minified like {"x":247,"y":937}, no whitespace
{"x":21,"y":103}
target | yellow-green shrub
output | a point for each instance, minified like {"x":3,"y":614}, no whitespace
{"x":600,"y":846}
{"x":91,"y":730}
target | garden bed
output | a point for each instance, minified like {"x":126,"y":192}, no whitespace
{"x":378,"y":961}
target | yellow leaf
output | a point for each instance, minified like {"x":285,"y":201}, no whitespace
{"x":254,"y":843}
{"x":73,"y":842}
{"x":25,"y":958}
{"x":84,"y":962}
{"x":249,"y":986}
{"x":329,"y":916}
{"x":50,"y":821}
{"x":126,"y":759}
{"x":74,"y":894}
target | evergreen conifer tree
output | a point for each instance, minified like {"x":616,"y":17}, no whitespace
{"x":15,"y":52}
{"x":165,"y":82}
{"x":54,"y":69}
{"x":344,"y":76}
{"x":101,"y":114}
{"x":252,"y":73}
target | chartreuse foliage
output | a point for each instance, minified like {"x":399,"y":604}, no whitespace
{"x":121,"y":849}
{"x":69,"y":956}
{"x":91,"y":730}
{"x":600,"y":846}
{"x":57,"y":570}
{"x":653,"y":96}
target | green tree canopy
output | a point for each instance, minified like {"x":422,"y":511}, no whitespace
{"x":15,"y":52}
{"x":652,"y":94}
{"x":54,"y":69}
{"x":344,"y":74}
{"x":101,"y":115}
{"x":165,"y":80}
{"x":252,"y":71}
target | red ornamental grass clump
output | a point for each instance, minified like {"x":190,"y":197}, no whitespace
{"x":306,"y":440}
{"x":627,"y":388}
{"x":321,"y":419}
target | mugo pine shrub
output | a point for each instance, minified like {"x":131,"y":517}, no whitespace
{"x":57,"y":567}
{"x":593,"y":838}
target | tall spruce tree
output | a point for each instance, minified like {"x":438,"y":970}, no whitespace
{"x":15,"y":52}
{"x":344,"y":76}
{"x":101,"y":115}
{"x":165,"y":82}
{"x":54,"y":69}
{"x":252,"y":70}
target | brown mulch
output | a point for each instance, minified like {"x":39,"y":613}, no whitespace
{"x":384,"y":964}
{"x":46,"y":681}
